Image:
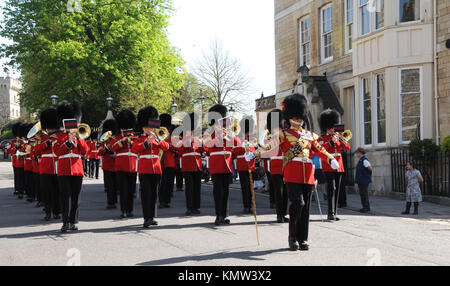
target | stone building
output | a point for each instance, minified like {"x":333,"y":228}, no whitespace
{"x":374,"y":62}
{"x":9,"y":99}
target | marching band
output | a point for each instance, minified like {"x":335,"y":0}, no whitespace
{"x":48,"y":162}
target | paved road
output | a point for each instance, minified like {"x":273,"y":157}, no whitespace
{"x":103,"y":239}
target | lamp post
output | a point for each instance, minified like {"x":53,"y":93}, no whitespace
{"x":109,"y":101}
{"x":174,"y":106}
{"x":54,"y":98}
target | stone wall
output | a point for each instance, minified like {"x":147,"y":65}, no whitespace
{"x":443,"y":34}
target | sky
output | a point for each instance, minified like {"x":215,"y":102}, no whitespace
{"x":245,"y":28}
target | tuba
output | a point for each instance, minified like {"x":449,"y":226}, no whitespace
{"x":105,"y":137}
{"x":83,"y":131}
{"x":35,"y":130}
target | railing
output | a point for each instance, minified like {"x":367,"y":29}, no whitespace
{"x":433,"y":167}
{"x":349,"y":165}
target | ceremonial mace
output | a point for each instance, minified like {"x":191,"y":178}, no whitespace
{"x":247,"y":149}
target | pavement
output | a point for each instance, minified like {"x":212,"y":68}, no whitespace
{"x":383,"y":237}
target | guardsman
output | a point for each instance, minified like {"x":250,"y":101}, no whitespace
{"x":20,"y":162}
{"x":11,"y":149}
{"x":334,"y":144}
{"x":47,"y":167}
{"x":168,"y":166}
{"x":190,"y":152}
{"x":94,"y":158}
{"x":28,"y":166}
{"x":148,"y":146}
{"x":70,"y":149}
{"x":219,"y":147}
{"x":108,"y":163}
{"x":276,"y":165}
{"x":242,"y":166}
{"x":36,"y":175}
{"x":298,"y":146}
{"x":126,"y":173}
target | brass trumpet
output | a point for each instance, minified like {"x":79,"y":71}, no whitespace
{"x":347,"y":135}
{"x":162,"y":133}
{"x":105,"y":137}
{"x":83,"y":131}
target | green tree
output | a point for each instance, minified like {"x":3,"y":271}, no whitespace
{"x":105,"y":47}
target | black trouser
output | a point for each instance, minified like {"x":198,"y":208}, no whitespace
{"x":244,"y":179}
{"x":333,"y":189}
{"x":299,"y":195}
{"x":166,"y":188}
{"x":94,"y":166}
{"x":70,"y":187}
{"x":20,"y":181}
{"x":86,"y":166}
{"x":342,"y":191}
{"x":126,"y":184}
{"x":271,"y":189}
{"x":36,"y":185}
{"x":29,"y":188}
{"x":193,"y":189}
{"x":50,"y":194}
{"x":364,"y":193}
{"x":149,"y":184}
{"x":281,"y":194}
{"x":109,"y":180}
{"x":221,"y":190}
{"x":179,"y":177}
{"x":16,"y":184}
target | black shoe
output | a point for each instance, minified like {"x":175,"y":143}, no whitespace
{"x":293,"y":244}
{"x":15,"y":193}
{"x":130,"y":215}
{"x":304,"y":246}
{"x":280,"y":219}
{"x":218,"y":220}
{"x":147,"y":223}
{"x":153,"y":222}
{"x":30,"y":200}
{"x":246,"y":211}
{"x":188,"y":213}
{"x":56,"y":216}
{"x":336,"y":218}
{"x":20,"y":196}
{"x":330,"y":217}
{"x":196,"y":211}
{"x":73,"y":227}
{"x":64,"y":228}
{"x":123,"y":215}
{"x":285,"y":219}
{"x":225,"y":221}
{"x":48,"y":218}
{"x":363,"y":211}
{"x":38,"y":205}
{"x":405,"y":213}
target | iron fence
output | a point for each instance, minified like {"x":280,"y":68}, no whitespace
{"x":433,"y":167}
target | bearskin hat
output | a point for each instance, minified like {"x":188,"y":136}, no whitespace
{"x":68,"y":110}
{"x":191,"y":121}
{"x":247,"y":125}
{"x":24,"y":129}
{"x":294,"y":106}
{"x":49,"y":119}
{"x":110,"y":125}
{"x":16,"y":129}
{"x":218,"y":108}
{"x":166,"y":120}
{"x":145,"y":114}
{"x":94,"y":135}
{"x":126,"y":119}
{"x":274,"y":115}
{"x":328,"y":119}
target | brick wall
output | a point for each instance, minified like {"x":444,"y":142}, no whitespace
{"x":443,"y":34}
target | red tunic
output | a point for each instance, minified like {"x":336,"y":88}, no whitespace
{"x":93,"y":150}
{"x":28,"y":160}
{"x":69,"y":158}
{"x":108,"y":159}
{"x":241,"y":163}
{"x":149,"y":162}
{"x":335,"y":150}
{"x":301,"y":169}
{"x":168,"y":159}
{"x":220,"y":152}
{"x":19,"y":161}
{"x":125,"y":159}
{"x":36,"y":159}
{"x":12,"y":150}
{"x":190,"y":152}
{"x":47,"y":153}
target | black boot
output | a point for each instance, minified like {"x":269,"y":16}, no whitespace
{"x":408,"y":208}
{"x":293,"y":244}
{"x":64,"y":228}
{"x":304,"y":246}
{"x":416,"y":209}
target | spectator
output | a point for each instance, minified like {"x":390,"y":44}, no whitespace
{"x":413,"y":192}
{"x":363,"y":178}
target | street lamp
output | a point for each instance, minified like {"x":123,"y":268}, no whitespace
{"x":174,"y":106}
{"x":54,"y":98}
{"x":109,"y":101}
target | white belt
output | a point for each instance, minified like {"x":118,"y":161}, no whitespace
{"x":220,"y":153}
{"x":71,"y":155}
{"x":95,"y":151}
{"x":303,"y":160}
{"x":192,"y":154}
{"x":48,"y":156}
{"x":241,"y":157}
{"x":336,"y":155}
{"x":127,"y":154}
{"x":28,"y":159}
{"x":149,"y":157}
{"x":276,"y":158}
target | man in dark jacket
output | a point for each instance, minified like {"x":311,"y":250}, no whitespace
{"x":363,"y":178}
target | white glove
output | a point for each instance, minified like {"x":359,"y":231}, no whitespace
{"x":249,"y":156}
{"x":334,"y":164}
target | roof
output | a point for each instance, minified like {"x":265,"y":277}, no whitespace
{"x":326,"y":93}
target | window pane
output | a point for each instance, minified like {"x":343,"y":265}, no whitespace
{"x":365,"y":20}
{"x":349,"y":11}
{"x":327,"y":19}
{"x":381,"y":109}
{"x":367,"y":112}
{"x":410,"y":81}
{"x":409,"y":10}
{"x":381,"y":131}
{"x":349,"y":36}
{"x":368,"y":133}
{"x":379,"y":14}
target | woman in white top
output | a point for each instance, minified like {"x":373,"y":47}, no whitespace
{"x":413,"y":192}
